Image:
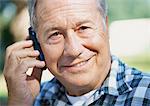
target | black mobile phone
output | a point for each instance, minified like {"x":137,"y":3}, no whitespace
{"x":36,"y":45}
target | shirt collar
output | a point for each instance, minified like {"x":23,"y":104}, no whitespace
{"x":116,"y":83}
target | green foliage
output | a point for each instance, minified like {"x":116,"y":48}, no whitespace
{"x":128,"y":9}
{"x":141,"y":61}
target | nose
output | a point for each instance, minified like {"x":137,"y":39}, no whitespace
{"x":73,"y":46}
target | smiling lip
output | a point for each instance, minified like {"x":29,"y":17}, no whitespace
{"x":80,"y":66}
{"x":77,"y":64}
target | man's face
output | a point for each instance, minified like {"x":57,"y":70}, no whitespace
{"x":75,"y":45}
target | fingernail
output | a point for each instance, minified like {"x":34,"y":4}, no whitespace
{"x":43,"y":62}
{"x":36,"y":51}
{"x":30,"y":41}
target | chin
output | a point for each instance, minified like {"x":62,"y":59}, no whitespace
{"x":80,"y":80}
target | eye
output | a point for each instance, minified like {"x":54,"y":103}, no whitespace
{"x":55,"y":37}
{"x":83,"y":28}
{"x":55,"y":34}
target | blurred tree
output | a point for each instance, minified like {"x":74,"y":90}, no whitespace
{"x":9,"y":10}
{"x":128,"y":9}
{"x":21,"y":4}
{"x":5,"y":34}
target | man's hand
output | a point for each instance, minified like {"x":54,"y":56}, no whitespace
{"x":22,"y":89}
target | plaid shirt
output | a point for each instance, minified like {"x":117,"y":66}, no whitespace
{"x":124,"y":86}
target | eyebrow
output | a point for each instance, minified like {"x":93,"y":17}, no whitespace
{"x":51,"y":29}
{"x":83,"y":22}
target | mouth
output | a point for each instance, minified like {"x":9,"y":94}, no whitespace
{"x":76,"y":67}
{"x":78,"y":64}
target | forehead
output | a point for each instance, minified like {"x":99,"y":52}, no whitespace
{"x":52,"y":4}
{"x":64,"y":14}
{"x":46,"y":8}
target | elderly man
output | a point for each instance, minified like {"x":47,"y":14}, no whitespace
{"x":73,"y":35}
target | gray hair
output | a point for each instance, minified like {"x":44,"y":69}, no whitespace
{"x":102,"y":6}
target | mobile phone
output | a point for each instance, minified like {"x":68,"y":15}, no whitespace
{"x":36,"y":45}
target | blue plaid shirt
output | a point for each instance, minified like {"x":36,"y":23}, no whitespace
{"x":124,"y":86}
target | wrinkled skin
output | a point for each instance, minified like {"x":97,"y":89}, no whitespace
{"x":74,"y":42}
{"x":22,"y":89}
{"x":75,"y":45}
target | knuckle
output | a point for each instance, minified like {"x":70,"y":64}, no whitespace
{"x":4,"y":73}
{"x":9,"y":70}
{"x":8,"y":49}
{"x":24,"y":63}
{"x":7,"y":75}
{"x":13,"y":53}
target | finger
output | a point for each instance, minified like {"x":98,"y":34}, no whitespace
{"x":18,"y":45}
{"x":26,"y":53}
{"x":22,"y":44}
{"x":20,"y":55}
{"x":27,"y":38}
{"x":29,"y":48}
{"x":26,"y":64}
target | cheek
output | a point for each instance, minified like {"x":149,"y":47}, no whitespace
{"x":100,"y":45}
{"x":52,"y":53}
{"x":96,"y":42}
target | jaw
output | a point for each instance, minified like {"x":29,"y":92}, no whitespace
{"x":82,"y":83}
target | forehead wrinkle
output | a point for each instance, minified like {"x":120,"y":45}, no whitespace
{"x":68,"y":3}
{"x":69,"y":14}
{"x":47,"y":10}
{"x":64,"y":12}
{"x":67,"y":18}
{"x":65,"y":23}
